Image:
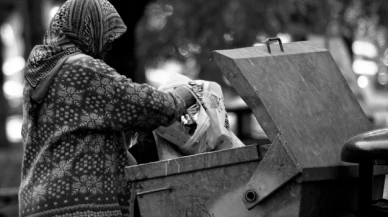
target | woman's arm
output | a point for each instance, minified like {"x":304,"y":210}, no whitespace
{"x":113,"y":102}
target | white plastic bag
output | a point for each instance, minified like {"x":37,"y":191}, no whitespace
{"x":208,"y":129}
{"x":179,"y":134}
{"x":187,"y":137}
{"x":218,"y":136}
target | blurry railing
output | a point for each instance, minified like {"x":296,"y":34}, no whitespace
{"x":9,"y":202}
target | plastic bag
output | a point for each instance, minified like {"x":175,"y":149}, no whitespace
{"x":188,"y":137}
{"x":205,"y":127}
{"x":218,"y":136}
{"x":188,"y":134}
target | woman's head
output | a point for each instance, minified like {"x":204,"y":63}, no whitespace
{"x":90,"y":25}
{"x":87,"y":26}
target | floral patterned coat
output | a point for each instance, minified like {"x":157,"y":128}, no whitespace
{"x":75,"y":150}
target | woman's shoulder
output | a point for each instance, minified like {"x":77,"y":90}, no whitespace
{"x":90,"y":64}
{"x":85,"y":60}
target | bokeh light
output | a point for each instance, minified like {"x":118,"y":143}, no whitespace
{"x":363,"y":81}
{"x":365,"y":67}
{"x":13,"y":65}
{"x":364,"y":48}
{"x":7,"y":34}
{"x":13,"y":89}
{"x":14,"y":128}
{"x":53,"y":11}
{"x":164,"y":74}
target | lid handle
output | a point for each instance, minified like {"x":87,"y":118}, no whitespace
{"x":274,"y":39}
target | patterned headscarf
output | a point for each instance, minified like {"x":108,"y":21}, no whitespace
{"x":85,"y":26}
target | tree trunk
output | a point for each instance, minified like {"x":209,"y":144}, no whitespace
{"x":122,"y":57}
{"x":3,"y":106}
{"x":33,"y":30}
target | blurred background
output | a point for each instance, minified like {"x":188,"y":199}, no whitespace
{"x":170,"y":37}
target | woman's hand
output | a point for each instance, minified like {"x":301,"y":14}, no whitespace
{"x":186,"y":95}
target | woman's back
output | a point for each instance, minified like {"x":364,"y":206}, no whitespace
{"x":72,"y":155}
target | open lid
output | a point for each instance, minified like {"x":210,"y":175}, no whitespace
{"x":304,"y":105}
{"x":299,"y":94}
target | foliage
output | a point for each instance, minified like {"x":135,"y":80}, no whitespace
{"x":189,"y":31}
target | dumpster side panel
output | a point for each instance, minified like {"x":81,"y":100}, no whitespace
{"x":197,"y":194}
{"x":215,"y":192}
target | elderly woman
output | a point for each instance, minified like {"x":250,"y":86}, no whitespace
{"x":76,"y":110}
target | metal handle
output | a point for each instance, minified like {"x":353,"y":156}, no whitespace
{"x":167,"y":188}
{"x":274,"y":39}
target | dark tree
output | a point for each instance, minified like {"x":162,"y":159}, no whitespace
{"x":3,"y":106}
{"x":186,"y":30}
{"x":33,"y":30}
{"x":122,"y":56}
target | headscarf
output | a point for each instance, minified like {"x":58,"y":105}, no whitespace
{"x":79,"y":26}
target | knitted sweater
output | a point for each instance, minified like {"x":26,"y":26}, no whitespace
{"x":74,"y":149}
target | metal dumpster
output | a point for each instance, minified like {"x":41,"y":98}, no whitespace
{"x":304,"y":105}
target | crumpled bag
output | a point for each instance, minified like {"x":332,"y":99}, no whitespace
{"x":188,"y":137}
{"x":218,"y":135}
{"x":204,"y":128}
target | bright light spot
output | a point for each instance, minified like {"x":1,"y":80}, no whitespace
{"x":382,"y":78}
{"x":363,"y":81}
{"x":364,"y":48}
{"x":194,"y":48}
{"x":165,"y":74}
{"x":365,"y":67}
{"x":228,"y":37}
{"x":53,"y":11}
{"x":384,"y":59}
{"x":7,"y":34}
{"x":157,"y":17}
{"x":260,"y":37}
{"x":13,"y":65}
{"x":258,"y":44}
{"x":15,"y":103}
{"x":184,"y":51}
{"x":14,"y":128}
{"x":156,"y":23}
{"x":232,"y":117}
{"x":191,"y":62}
{"x":13,"y":90}
{"x":284,"y":37}
{"x":159,"y":76}
{"x":168,"y":10}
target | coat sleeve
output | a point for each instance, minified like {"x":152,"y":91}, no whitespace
{"x":109,"y":101}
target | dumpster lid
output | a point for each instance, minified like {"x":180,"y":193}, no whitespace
{"x":298,"y":93}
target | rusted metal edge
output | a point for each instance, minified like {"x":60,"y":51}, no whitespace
{"x":276,"y":169}
{"x":262,"y":51}
{"x":194,"y":163}
{"x":142,"y":193}
{"x":345,"y":171}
